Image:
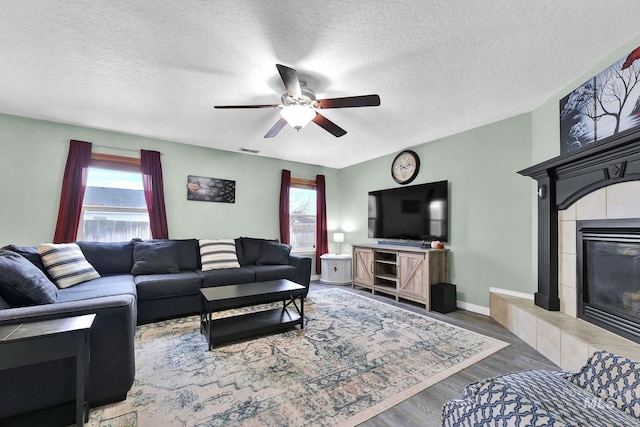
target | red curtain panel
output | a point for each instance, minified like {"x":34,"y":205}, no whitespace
{"x":322,"y":244}
{"x":154,"y":193}
{"x":285,"y":185}
{"x":74,"y":182}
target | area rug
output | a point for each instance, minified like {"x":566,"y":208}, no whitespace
{"x":355,"y":358}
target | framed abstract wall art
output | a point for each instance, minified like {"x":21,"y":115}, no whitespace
{"x":605,"y":105}
{"x":205,"y":189}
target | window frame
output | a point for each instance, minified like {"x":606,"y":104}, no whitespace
{"x":114,"y":163}
{"x":306,"y":184}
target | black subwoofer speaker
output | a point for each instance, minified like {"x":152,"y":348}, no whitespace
{"x":443,"y":297}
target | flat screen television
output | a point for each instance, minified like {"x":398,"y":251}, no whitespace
{"x":416,"y":212}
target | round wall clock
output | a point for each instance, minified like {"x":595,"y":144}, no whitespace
{"x":405,"y":167}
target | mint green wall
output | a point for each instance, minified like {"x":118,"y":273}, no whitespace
{"x":32,"y":160}
{"x":490,"y":204}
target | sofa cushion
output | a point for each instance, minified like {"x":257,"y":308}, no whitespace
{"x":226,"y":276}
{"x":153,"y":286}
{"x":22,"y":283}
{"x":4,"y":304}
{"x":188,"y":252}
{"x":251,"y":248}
{"x":273,"y":272}
{"x":107,"y":286}
{"x":239,"y":252}
{"x":612,"y":378}
{"x":31,"y":253}
{"x":216,"y":254}
{"x":66,"y":264}
{"x":154,"y":257}
{"x":109,"y":257}
{"x":274,"y":253}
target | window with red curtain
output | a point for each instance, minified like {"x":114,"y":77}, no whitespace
{"x":151,"y":169}
{"x":114,"y":208}
{"x":74,"y":182}
{"x":302,"y":215}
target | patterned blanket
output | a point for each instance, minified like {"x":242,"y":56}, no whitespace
{"x":606,"y":392}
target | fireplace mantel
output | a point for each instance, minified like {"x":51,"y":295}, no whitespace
{"x":565,"y":179}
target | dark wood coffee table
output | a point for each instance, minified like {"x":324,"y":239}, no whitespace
{"x":228,"y":297}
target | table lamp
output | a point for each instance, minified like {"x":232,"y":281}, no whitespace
{"x":338,"y":238}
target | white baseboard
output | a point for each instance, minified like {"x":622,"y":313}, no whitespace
{"x":511,"y":293}
{"x":474,"y":308}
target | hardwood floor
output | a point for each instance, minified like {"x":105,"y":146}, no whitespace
{"x":424,"y":408}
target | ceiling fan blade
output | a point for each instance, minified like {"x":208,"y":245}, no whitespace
{"x":350,"y":101}
{"x":248,"y":106}
{"x":276,"y":128}
{"x":328,"y":125}
{"x":290,"y":80}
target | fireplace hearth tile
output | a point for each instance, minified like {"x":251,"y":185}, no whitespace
{"x":622,"y":200}
{"x":570,"y":324}
{"x":548,"y":341}
{"x":568,"y":270}
{"x":568,"y":214}
{"x":499,"y":307}
{"x":602,"y":337}
{"x":528,"y":328}
{"x":568,"y":304}
{"x":573,"y":351}
{"x":632,"y":352}
{"x":568,"y":237}
{"x":592,"y":206}
{"x":559,"y":337}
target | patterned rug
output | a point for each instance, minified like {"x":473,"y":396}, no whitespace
{"x":355,"y":358}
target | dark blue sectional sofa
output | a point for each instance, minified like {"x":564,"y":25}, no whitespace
{"x":141,"y":282}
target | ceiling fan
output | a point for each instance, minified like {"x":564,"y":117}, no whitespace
{"x":299,"y":105}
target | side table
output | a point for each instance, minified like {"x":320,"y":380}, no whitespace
{"x":41,"y":341}
{"x":335,"y":269}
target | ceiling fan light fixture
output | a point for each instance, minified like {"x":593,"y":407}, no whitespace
{"x":298,"y":116}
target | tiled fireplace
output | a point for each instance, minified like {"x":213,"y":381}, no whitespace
{"x":619,"y":201}
{"x":601,"y":183}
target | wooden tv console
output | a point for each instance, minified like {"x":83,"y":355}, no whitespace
{"x":402,"y":271}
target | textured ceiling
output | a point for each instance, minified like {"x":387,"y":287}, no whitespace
{"x":157,"y":68}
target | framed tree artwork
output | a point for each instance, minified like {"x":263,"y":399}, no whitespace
{"x":605,"y":105}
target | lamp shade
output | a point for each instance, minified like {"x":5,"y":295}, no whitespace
{"x":298,"y":116}
{"x":338,"y":237}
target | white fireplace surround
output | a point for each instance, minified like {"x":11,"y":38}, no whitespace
{"x":618,"y":201}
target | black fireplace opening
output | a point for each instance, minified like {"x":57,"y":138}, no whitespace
{"x":608,"y":280}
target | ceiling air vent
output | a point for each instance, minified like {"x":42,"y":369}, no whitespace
{"x":248,"y":150}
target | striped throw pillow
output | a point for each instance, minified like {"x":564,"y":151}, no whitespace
{"x":66,"y":264}
{"x":220,"y":253}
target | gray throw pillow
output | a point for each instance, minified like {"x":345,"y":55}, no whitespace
{"x":109,"y":257}
{"x":188,"y":252}
{"x":274,"y":254}
{"x":4,"y":304}
{"x":251,"y":249}
{"x":22,"y":283}
{"x":31,"y":254}
{"x":154,"y":257}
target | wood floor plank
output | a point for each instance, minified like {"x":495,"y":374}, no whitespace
{"x":425,"y":408}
